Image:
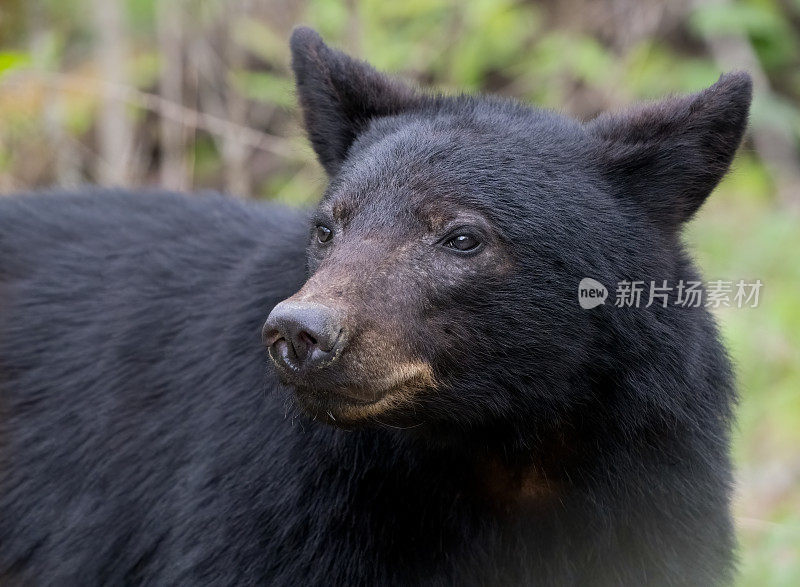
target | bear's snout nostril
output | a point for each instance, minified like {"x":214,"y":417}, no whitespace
{"x":302,"y":335}
{"x":270,"y":335}
{"x":307,"y":338}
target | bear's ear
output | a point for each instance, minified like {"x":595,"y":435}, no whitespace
{"x":340,"y":95}
{"x":669,"y":156}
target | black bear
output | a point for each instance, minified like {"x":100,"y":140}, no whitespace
{"x":438,"y":408}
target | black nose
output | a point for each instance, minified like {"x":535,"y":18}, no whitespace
{"x":303,"y":335}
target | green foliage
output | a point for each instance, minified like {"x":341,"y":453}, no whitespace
{"x":12,"y":60}
{"x":265,"y":87}
{"x":756,"y":18}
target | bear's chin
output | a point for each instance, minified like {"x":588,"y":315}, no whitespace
{"x":341,"y":409}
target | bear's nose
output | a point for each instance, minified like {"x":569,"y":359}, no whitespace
{"x":303,"y":335}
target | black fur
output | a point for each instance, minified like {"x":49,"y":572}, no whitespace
{"x":145,"y":438}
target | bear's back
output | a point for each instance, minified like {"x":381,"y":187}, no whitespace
{"x":133,"y":379}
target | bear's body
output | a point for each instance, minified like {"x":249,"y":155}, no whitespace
{"x":145,"y":439}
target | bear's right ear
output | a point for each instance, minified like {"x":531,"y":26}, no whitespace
{"x":339,"y":96}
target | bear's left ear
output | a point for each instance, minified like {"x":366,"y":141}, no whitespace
{"x":669,"y":156}
{"x":340,"y":95}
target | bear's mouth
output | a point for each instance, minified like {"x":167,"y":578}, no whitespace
{"x":343,"y":410}
{"x":347,"y":404}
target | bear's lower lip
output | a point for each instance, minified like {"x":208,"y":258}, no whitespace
{"x":331,"y":392}
{"x":332,"y":395}
{"x":334,"y":407}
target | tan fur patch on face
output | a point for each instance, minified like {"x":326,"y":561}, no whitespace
{"x":401,"y":385}
{"x":411,"y":373}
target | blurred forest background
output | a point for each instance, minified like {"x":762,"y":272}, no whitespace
{"x":197,"y":94}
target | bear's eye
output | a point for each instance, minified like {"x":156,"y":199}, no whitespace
{"x":324,"y":233}
{"x":463,"y":242}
